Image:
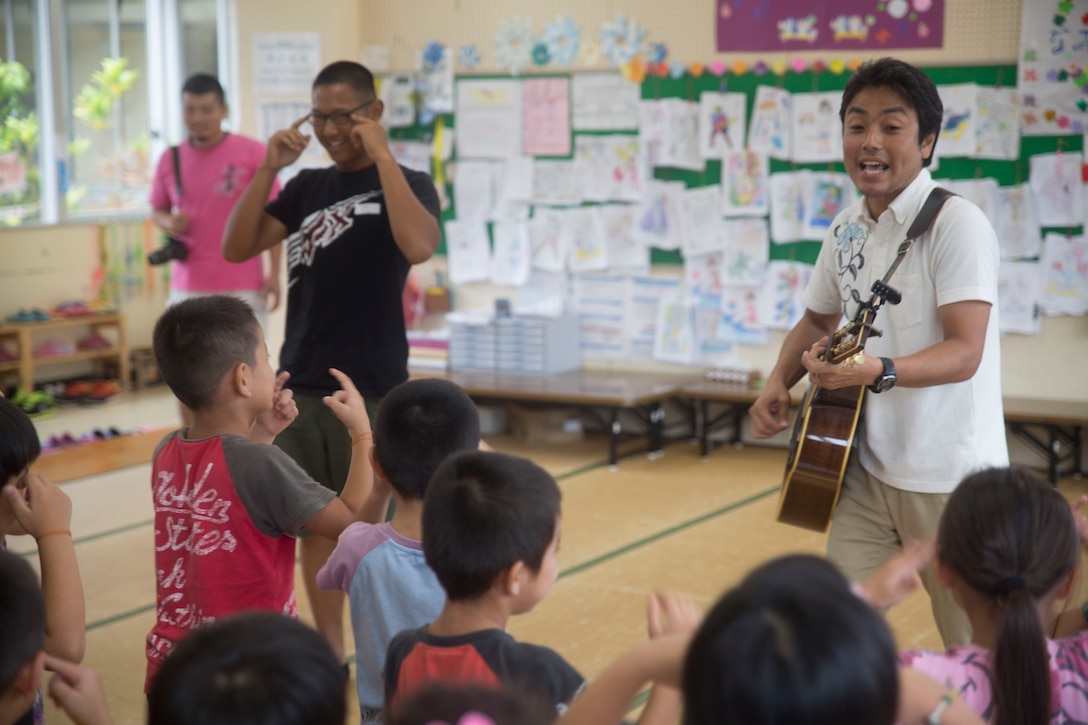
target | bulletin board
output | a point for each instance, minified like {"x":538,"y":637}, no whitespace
{"x":688,"y":87}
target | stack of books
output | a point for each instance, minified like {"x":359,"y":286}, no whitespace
{"x":429,"y":350}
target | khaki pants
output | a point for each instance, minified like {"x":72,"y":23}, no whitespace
{"x":871,"y":523}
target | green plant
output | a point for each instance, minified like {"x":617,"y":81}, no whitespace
{"x":18,"y":133}
{"x":95,"y":102}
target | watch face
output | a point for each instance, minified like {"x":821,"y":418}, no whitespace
{"x":886,"y":382}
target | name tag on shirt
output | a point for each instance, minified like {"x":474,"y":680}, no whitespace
{"x":368,"y":207}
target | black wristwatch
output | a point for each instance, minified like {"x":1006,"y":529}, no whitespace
{"x":886,"y":380}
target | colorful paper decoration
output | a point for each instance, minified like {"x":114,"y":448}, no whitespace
{"x":634,"y":70}
{"x":717,"y":67}
{"x":468,"y":56}
{"x":621,"y":39}
{"x":676,"y":69}
{"x":590,"y":53}
{"x":739,"y":66}
{"x":562,"y":37}
{"x":658,"y":52}
{"x":798,"y":65}
{"x":697,"y":69}
{"x":514,"y":45}
{"x":541,"y":55}
{"x":432,"y":55}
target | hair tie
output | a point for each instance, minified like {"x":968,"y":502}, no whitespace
{"x":1010,"y":584}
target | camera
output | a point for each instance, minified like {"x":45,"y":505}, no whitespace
{"x":173,"y":249}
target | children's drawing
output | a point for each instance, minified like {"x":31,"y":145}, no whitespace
{"x":674,"y":336}
{"x":710,"y":347}
{"x":787,"y":206}
{"x":1055,"y":181}
{"x":555,"y":183}
{"x":747,"y":251}
{"x":468,"y":250}
{"x":744,"y":184}
{"x":770,"y":130}
{"x":1052,"y":55}
{"x":703,"y":273}
{"x":644,"y":295}
{"x":701,"y":214}
{"x":1016,"y":224}
{"x":957,"y":137}
{"x":626,"y":253}
{"x":1066,"y":260}
{"x":547,"y":234}
{"x":740,"y":321}
{"x":610,"y":168}
{"x":722,"y":117}
{"x":980,"y":192}
{"x":585,"y":231}
{"x":817,"y":132}
{"x":1019,"y":289}
{"x":827,"y":194}
{"x":657,"y":215}
{"x":997,"y":128}
{"x":680,"y":147}
{"x":781,"y":303}
{"x":512,"y":254}
{"x":472,"y":189}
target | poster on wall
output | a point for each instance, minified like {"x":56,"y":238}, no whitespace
{"x":285,"y":63}
{"x":768,"y":25}
{"x":1051,"y":77}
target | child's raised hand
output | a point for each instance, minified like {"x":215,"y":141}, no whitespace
{"x":78,"y":691}
{"x":898,"y":576}
{"x":283,"y":412}
{"x":41,"y":507}
{"x":669,"y":613}
{"x":348,"y":405}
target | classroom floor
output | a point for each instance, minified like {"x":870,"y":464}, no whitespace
{"x":674,"y":523}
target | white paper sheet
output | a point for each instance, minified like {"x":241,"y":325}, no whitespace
{"x":1017,"y":226}
{"x":787,"y":206}
{"x":980,"y":192}
{"x":747,"y":251}
{"x":550,"y":243}
{"x":1019,"y":291}
{"x":1055,"y":182}
{"x":680,"y":147}
{"x":957,"y":137}
{"x":644,"y":297}
{"x":473,"y":197}
{"x":997,"y":132}
{"x":468,"y":250}
{"x":511,"y":255}
{"x":1065,"y":260}
{"x":740,"y":310}
{"x":555,"y":183}
{"x":436,"y":83}
{"x":744,"y":184}
{"x":711,"y":347}
{"x":701,"y":216}
{"x":285,"y":63}
{"x":600,"y":301}
{"x":611,"y":167}
{"x":658,"y":215}
{"x":827,"y":194}
{"x":626,"y":253}
{"x":722,"y":118}
{"x":488,"y":118}
{"x":397,"y":94}
{"x":546,"y":116}
{"x":781,"y":303}
{"x":588,"y":251}
{"x":703,"y":273}
{"x":816,"y":129}
{"x":674,"y":338}
{"x":603,"y":102}
{"x":1053,"y":98}
{"x":771,"y":119}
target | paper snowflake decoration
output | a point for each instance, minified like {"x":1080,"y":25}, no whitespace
{"x":514,"y":45}
{"x":541,"y":56}
{"x":621,"y":40}
{"x":468,"y":56}
{"x":590,"y":53}
{"x":432,"y":55}
{"x":563,"y":39}
{"x":658,"y":52}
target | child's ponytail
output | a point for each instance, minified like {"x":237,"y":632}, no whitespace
{"x":1012,"y":539}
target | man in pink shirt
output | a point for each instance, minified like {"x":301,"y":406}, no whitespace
{"x":216,"y":167}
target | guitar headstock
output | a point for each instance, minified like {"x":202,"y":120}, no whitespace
{"x":850,"y":339}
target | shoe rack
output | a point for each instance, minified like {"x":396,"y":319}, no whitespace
{"x":26,"y":334}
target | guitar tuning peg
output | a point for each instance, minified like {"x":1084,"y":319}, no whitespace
{"x":875,"y":332}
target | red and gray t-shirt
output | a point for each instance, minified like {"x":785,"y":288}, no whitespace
{"x":489,"y":657}
{"x":225,"y":511}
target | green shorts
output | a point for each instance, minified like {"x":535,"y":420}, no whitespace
{"x":319,"y":442}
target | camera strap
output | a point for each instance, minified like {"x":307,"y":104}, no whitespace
{"x":177,"y":168}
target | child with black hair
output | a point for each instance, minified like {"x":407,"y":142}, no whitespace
{"x":254,"y":668}
{"x":34,"y":506}
{"x":381,"y":564}
{"x":1008,"y":548}
{"x":790,"y":644}
{"x":22,"y":634}
{"x":490,"y":533}
{"x":227,"y":504}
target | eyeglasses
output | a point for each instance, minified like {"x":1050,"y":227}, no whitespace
{"x":340,"y":118}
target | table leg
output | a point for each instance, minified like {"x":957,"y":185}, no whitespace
{"x":614,"y":430}
{"x":704,"y":434}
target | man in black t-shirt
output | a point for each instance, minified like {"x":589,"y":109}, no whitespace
{"x":353,"y":230}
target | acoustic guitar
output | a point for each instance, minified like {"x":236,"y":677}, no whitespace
{"x":823,"y":434}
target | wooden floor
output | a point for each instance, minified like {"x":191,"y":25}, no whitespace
{"x":677,"y":522}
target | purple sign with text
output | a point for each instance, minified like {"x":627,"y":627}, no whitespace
{"x":764,"y":25}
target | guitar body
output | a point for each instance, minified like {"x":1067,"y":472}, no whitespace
{"x":823,"y":435}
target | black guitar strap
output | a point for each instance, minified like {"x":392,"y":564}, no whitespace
{"x":177,"y":169}
{"x":921,"y":225}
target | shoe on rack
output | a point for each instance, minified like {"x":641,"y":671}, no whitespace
{"x":55,"y":348}
{"x":21,"y":317}
{"x":73,"y":308}
{"x":35,"y":403}
{"x":74,"y":392}
{"x":100,"y":392}
{"x":7,"y":356}
{"x":94,"y":341}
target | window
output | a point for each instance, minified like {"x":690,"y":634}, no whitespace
{"x":20,"y":182}
{"x":115,"y":103}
